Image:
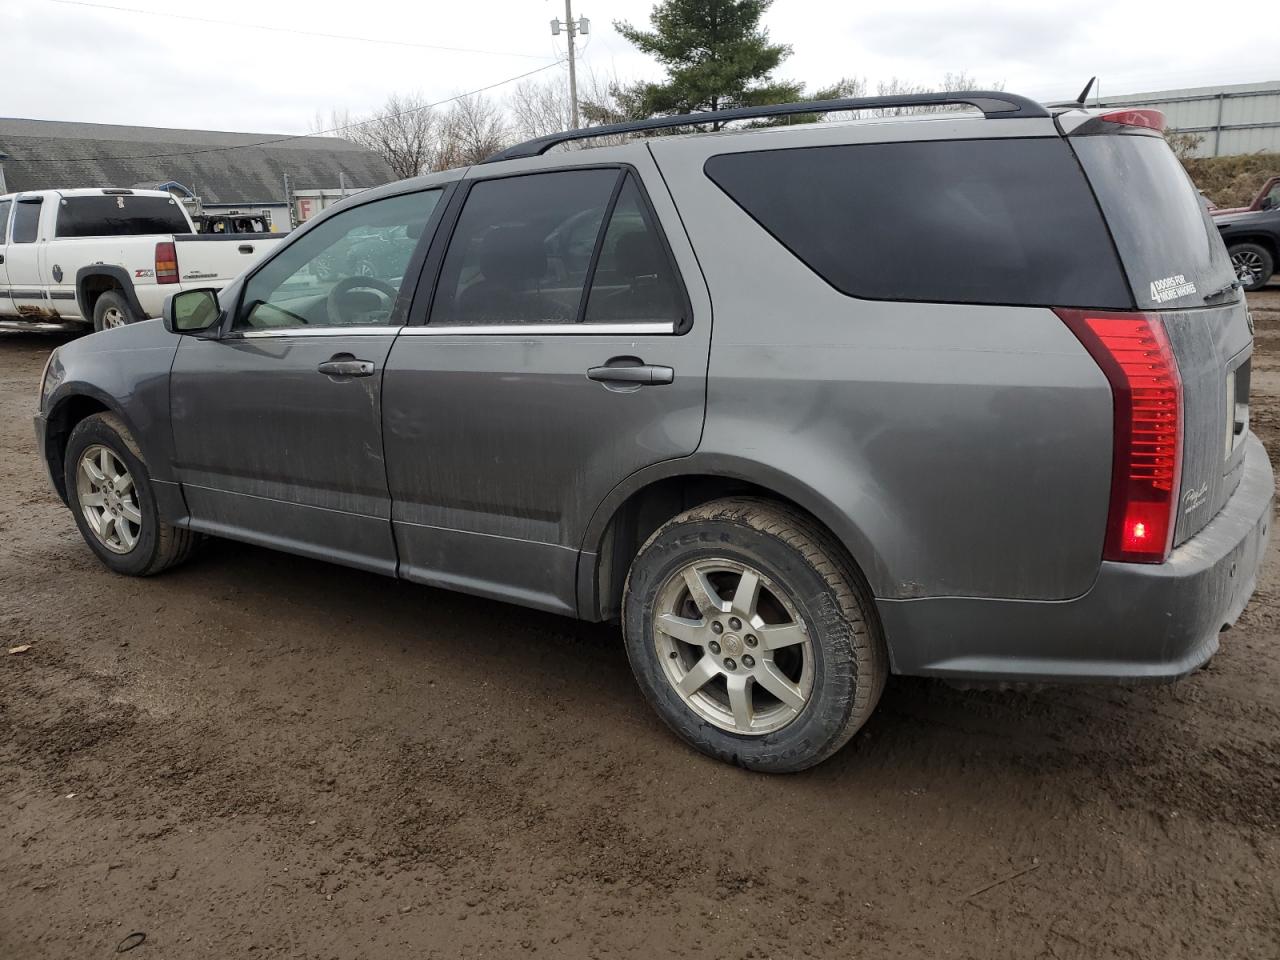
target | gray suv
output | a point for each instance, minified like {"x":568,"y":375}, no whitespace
{"x":962,"y":396}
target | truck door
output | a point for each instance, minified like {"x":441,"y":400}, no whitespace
{"x":22,"y":259}
{"x":6,"y":302}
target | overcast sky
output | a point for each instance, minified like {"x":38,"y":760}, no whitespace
{"x":68,"y":61}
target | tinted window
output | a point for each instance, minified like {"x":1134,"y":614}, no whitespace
{"x":1162,"y":230}
{"x":119,"y":216}
{"x":522,"y":247}
{"x":633,"y":279}
{"x":345,"y":271}
{"x":26,"y":221}
{"x":4,"y":219}
{"x":969,"y":221}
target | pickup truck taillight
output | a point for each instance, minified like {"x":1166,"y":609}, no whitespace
{"x":1134,"y":354}
{"x":166,"y":262}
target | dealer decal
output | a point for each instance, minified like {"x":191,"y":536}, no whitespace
{"x":1171,"y":288}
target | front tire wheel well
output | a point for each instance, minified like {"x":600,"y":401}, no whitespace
{"x":65,"y":417}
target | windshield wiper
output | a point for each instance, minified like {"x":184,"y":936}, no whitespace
{"x":1234,"y":284}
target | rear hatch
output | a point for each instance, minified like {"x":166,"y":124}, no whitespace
{"x":1178,"y":269}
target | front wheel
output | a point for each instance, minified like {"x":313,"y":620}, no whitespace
{"x":110,"y":493}
{"x":1253,"y":265}
{"x":752,"y":635}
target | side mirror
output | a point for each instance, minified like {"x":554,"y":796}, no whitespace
{"x":192,"y":311}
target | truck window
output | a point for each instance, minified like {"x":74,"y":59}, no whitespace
{"x":4,"y":219}
{"x":119,"y":216}
{"x":26,"y":220}
{"x":951,"y":221}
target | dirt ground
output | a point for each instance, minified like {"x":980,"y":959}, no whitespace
{"x":262,"y":756}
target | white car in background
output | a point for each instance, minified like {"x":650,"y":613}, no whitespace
{"x":108,"y":256}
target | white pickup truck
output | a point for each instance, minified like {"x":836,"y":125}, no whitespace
{"x":108,"y":256}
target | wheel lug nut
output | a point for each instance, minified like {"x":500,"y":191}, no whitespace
{"x":735,"y":623}
{"x":729,"y":664}
{"x":713,"y":647}
{"x":748,"y":661}
{"x":750,"y":640}
{"x":717,"y":627}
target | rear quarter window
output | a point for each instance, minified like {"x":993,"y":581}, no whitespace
{"x":119,"y":216}
{"x":958,"y":221}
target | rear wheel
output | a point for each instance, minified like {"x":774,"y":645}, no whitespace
{"x":109,"y":489}
{"x":111,"y":310}
{"x":1253,"y":265}
{"x":751,"y":634}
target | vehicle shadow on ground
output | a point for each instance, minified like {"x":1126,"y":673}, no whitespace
{"x":923,"y":729}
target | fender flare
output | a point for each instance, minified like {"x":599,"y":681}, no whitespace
{"x":118,"y":274}
{"x":730,"y":467}
{"x":66,"y":393}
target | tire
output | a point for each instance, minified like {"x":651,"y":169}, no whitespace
{"x":1253,"y":264}
{"x":138,"y":549}
{"x":829,"y":644}
{"x":112,"y":310}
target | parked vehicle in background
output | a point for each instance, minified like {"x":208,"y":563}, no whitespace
{"x":108,"y":256}
{"x":234,"y":223}
{"x":1268,"y":198}
{"x":1029,"y":462}
{"x":1253,"y":242}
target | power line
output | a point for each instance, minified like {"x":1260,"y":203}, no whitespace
{"x":296,"y":136}
{"x":300,"y":32}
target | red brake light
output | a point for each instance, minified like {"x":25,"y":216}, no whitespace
{"x":1152,"y":119}
{"x":1134,"y":354}
{"x":166,"y":262}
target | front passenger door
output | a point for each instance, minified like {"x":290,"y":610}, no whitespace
{"x":277,"y":425}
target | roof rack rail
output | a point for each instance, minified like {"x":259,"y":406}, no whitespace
{"x":994,"y":104}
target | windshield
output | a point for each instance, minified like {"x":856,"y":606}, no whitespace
{"x":1172,"y":254}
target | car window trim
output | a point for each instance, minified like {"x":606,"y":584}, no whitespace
{"x":355,"y":330}
{"x":419,"y":318}
{"x":399,"y":311}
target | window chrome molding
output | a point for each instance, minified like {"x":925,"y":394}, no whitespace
{"x":304,"y":331}
{"x":540,"y":329}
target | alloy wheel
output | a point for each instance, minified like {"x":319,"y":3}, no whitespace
{"x":733,"y":647}
{"x":112,"y":317}
{"x":1248,"y":266}
{"x":108,"y":500}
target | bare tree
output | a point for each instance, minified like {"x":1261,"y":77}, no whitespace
{"x":539,"y":108}
{"x":404,"y":132}
{"x":473,"y":129}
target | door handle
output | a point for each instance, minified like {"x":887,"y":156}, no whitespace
{"x":1,"y":258}
{"x":637,"y":373}
{"x":246,"y":248}
{"x":345,"y":365}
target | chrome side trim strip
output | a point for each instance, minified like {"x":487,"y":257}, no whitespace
{"x":385,"y":330}
{"x":541,"y":330}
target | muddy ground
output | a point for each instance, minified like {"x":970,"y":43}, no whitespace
{"x":262,"y":756}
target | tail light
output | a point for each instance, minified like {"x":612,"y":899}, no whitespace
{"x":1151,"y":119}
{"x":166,"y":262}
{"x":1134,"y":354}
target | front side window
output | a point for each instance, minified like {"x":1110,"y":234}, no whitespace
{"x":4,"y":219}
{"x":348,"y":271}
{"x":522,"y":249}
{"x":26,"y":220}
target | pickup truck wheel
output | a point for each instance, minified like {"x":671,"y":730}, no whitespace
{"x":111,"y":311}
{"x":752,"y":635}
{"x":1253,"y":265}
{"x":111,"y":497}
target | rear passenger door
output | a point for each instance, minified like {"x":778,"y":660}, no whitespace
{"x":22,"y":258}
{"x":563,"y":349}
{"x":6,"y":302}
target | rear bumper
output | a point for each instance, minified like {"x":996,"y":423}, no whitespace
{"x":1137,"y":623}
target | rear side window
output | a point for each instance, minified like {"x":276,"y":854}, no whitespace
{"x":4,"y":219}
{"x":1171,"y":250}
{"x":119,"y":216}
{"x":633,"y":280}
{"x":26,"y":220}
{"x":522,"y":248}
{"x":956,"y":221}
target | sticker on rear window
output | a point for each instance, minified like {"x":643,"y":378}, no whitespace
{"x":1171,"y":288}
